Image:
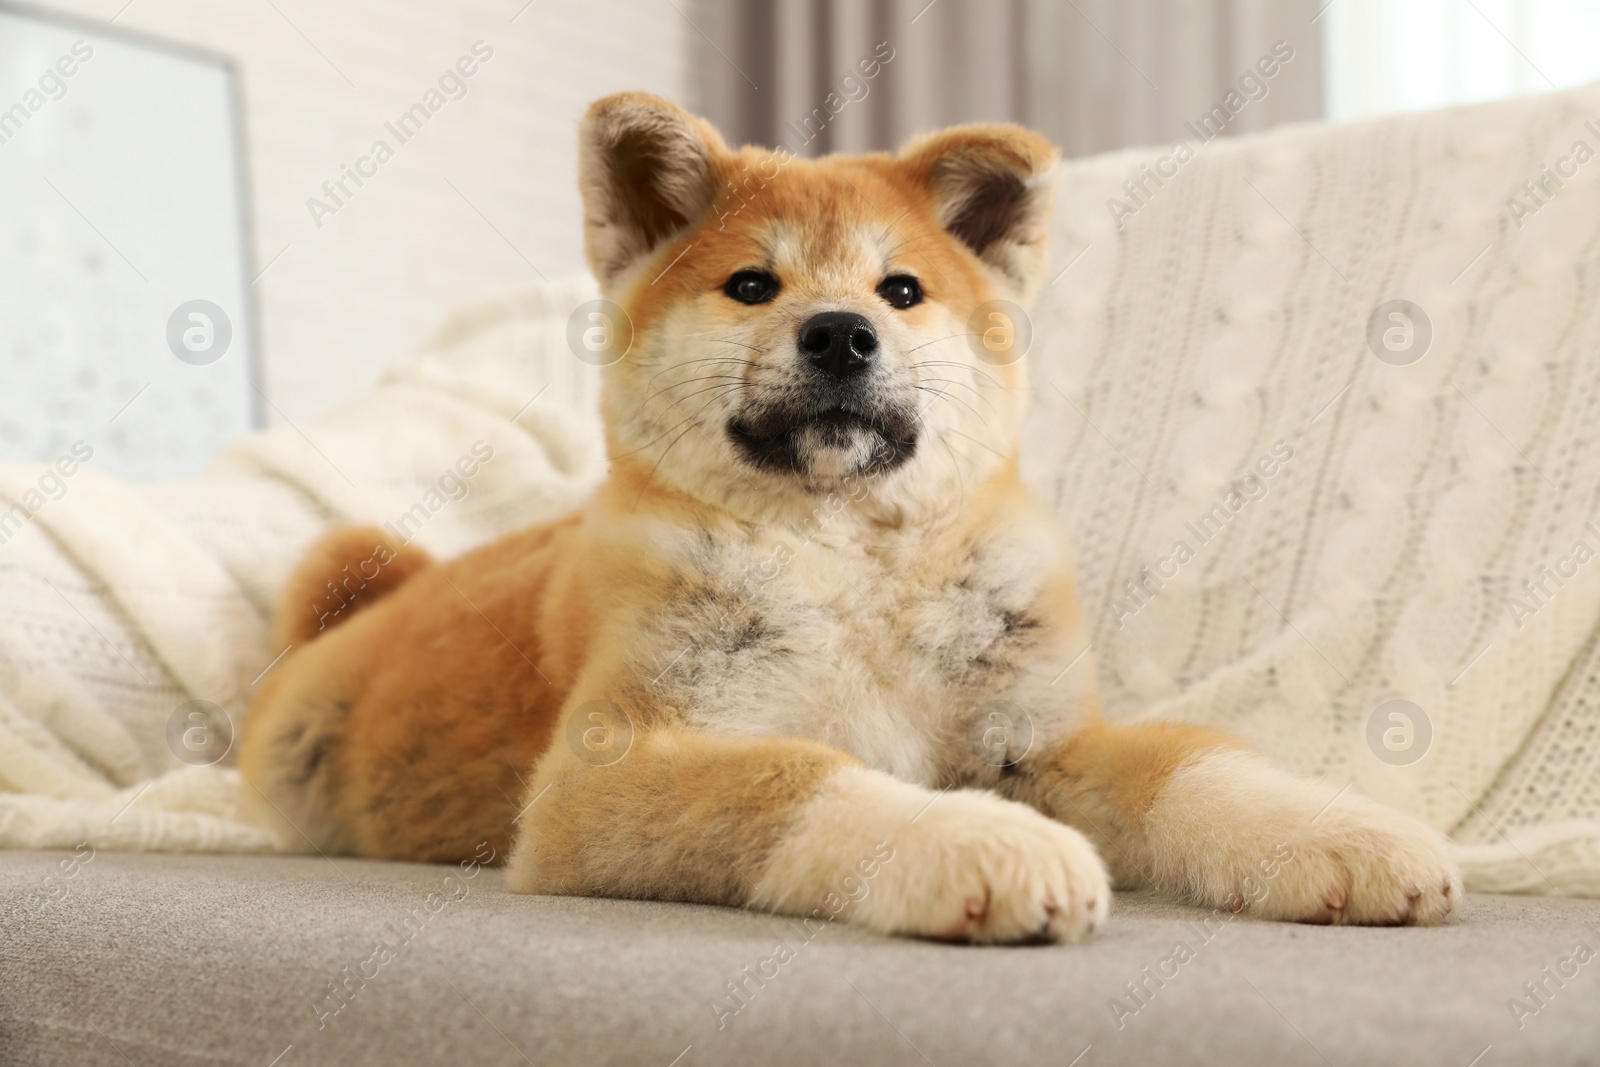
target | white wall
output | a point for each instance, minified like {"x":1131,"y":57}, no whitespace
{"x":321,"y":77}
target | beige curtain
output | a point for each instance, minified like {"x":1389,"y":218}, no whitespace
{"x":855,"y":75}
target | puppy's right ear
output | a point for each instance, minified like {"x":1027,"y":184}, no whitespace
{"x":645,"y":171}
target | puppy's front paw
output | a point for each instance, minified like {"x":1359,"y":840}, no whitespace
{"x":957,"y":866}
{"x":977,"y":868}
{"x":1234,"y":832}
{"x":1368,"y":865}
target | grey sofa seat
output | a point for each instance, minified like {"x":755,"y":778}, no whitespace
{"x":182,"y":959}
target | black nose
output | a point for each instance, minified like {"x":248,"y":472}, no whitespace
{"x":839,"y":343}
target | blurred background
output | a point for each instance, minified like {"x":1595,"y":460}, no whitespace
{"x":288,"y":195}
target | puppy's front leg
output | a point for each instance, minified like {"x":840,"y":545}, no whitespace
{"x":794,"y":827}
{"x":1195,"y":814}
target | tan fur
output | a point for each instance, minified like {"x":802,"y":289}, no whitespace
{"x":1106,"y":779}
{"x":347,"y":570}
{"x":733,"y":799}
{"x":797,"y":606}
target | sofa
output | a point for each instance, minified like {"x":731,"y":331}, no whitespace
{"x":1402,"y":312}
{"x":255,"y":960}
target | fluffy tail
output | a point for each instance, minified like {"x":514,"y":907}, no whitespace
{"x":347,"y":569}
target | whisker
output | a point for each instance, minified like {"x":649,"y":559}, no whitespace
{"x":963,"y":366}
{"x":980,"y":444}
{"x":945,"y":395}
{"x":961,"y":482}
{"x":935,"y":341}
{"x":692,"y":362}
{"x":702,"y":378}
{"x":739,"y":383}
{"x":668,"y":430}
{"x":694,"y":424}
{"x":720,"y":390}
{"x":653,"y":440}
{"x":659,"y":459}
{"x":972,"y":388}
{"x":663,"y":390}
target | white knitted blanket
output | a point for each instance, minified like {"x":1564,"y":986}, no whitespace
{"x":1386,"y":558}
{"x":1352,"y":529}
{"x":124,"y":603}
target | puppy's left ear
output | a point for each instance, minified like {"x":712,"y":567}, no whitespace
{"x":992,"y":186}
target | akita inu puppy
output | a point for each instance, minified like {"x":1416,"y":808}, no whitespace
{"x":811,"y":647}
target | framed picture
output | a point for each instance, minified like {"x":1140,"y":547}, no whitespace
{"x":127,"y":327}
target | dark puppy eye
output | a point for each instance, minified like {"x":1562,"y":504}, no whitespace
{"x":901,"y":290}
{"x":752,"y":287}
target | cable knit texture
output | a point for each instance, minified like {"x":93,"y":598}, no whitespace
{"x":1352,"y":530}
{"x":1228,"y":312}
